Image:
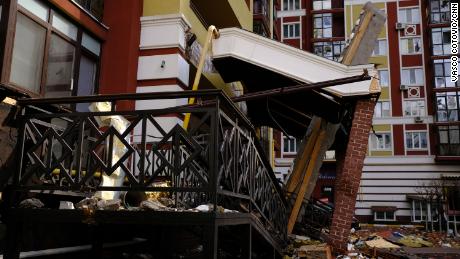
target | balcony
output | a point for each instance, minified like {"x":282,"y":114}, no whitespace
{"x":216,"y":161}
{"x":448,"y":147}
{"x":223,"y":13}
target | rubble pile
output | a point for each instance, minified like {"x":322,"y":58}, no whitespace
{"x":305,"y":247}
{"x":399,"y":242}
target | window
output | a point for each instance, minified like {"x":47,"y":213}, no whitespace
{"x":59,"y":45}
{"x":329,"y":50}
{"x":439,"y":11}
{"x":442,"y":74}
{"x":414,"y":108}
{"x":409,"y":15}
{"x":94,"y":7}
{"x":28,"y":52}
{"x":290,"y":144}
{"x":416,"y":140}
{"x":381,"y":141}
{"x":440,"y":41}
{"x":291,"y":31}
{"x":322,"y":25}
{"x":291,"y":5}
{"x":411,"y":46}
{"x":383,"y":78}
{"x":412,"y":76}
{"x":449,"y":140}
{"x":380,"y":48}
{"x":419,"y":210}
{"x":382,"y":109}
{"x":447,"y":106}
{"x":321,"y":4}
{"x":384,"y":216}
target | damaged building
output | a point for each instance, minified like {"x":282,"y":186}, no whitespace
{"x":147,"y":127}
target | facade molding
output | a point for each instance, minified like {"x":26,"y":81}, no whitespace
{"x":171,"y":27}
{"x":290,"y":13}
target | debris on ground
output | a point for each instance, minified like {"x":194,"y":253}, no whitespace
{"x":305,"y":247}
{"x":31,"y":203}
{"x":400,"y":242}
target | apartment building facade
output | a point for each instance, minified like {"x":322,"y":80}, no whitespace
{"x":414,"y":143}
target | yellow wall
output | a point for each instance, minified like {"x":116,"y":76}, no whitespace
{"x":162,"y":7}
{"x":381,"y":153}
{"x":382,"y":128}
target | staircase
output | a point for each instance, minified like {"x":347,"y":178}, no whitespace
{"x":217,"y":161}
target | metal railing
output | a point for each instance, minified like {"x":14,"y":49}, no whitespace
{"x":216,"y":161}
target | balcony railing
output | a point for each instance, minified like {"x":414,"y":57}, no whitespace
{"x":216,"y":161}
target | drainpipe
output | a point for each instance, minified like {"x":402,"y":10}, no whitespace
{"x":213,"y":33}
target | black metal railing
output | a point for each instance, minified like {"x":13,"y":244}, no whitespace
{"x":316,"y":216}
{"x":217,"y":160}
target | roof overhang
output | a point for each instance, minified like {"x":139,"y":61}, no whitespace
{"x":287,"y":61}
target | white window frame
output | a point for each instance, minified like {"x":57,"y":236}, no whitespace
{"x":412,"y":21}
{"x":322,"y":4}
{"x":381,"y":104}
{"x":379,"y":147}
{"x":417,"y":83}
{"x":293,"y":24}
{"x":405,"y":50}
{"x":414,"y":110}
{"x":414,"y":134}
{"x":385,"y":218}
{"x":382,"y":48}
{"x":289,"y":145}
{"x":291,"y":5}
{"x":380,"y":71}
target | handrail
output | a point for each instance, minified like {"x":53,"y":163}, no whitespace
{"x":118,"y":97}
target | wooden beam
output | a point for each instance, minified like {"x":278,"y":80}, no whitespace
{"x":299,"y":166}
{"x":356,"y":41}
{"x":306,"y":180}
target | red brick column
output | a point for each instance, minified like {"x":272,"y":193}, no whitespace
{"x":349,"y":168}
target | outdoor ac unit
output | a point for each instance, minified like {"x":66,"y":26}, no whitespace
{"x":418,"y":119}
{"x":399,"y":26}
{"x":403,"y":87}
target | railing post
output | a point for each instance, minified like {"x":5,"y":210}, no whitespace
{"x":213,"y":153}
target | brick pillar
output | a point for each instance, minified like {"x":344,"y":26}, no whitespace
{"x":349,"y":167}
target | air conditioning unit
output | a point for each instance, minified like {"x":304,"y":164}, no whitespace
{"x":403,"y":87}
{"x":399,"y":26}
{"x":418,"y":119}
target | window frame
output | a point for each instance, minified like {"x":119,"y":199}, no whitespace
{"x":446,"y":109}
{"x":422,"y":83}
{"x":377,"y":44}
{"x":322,"y":4}
{"x":385,"y":218}
{"x":440,"y":12}
{"x":80,"y":50}
{"x":380,"y":104}
{"x":289,"y":140}
{"x":289,"y":25}
{"x":379,"y":71}
{"x":445,"y":46}
{"x":332,"y":44}
{"x":414,"y":134}
{"x":404,"y":39}
{"x":322,"y":28}
{"x":291,"y":5}
{"x":384,"y":147}
{"x":445,"y":76}
{"x":405,"y":9}
{"x":408,"y":103}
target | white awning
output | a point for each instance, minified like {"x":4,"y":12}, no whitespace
{"x":288,"y":61}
